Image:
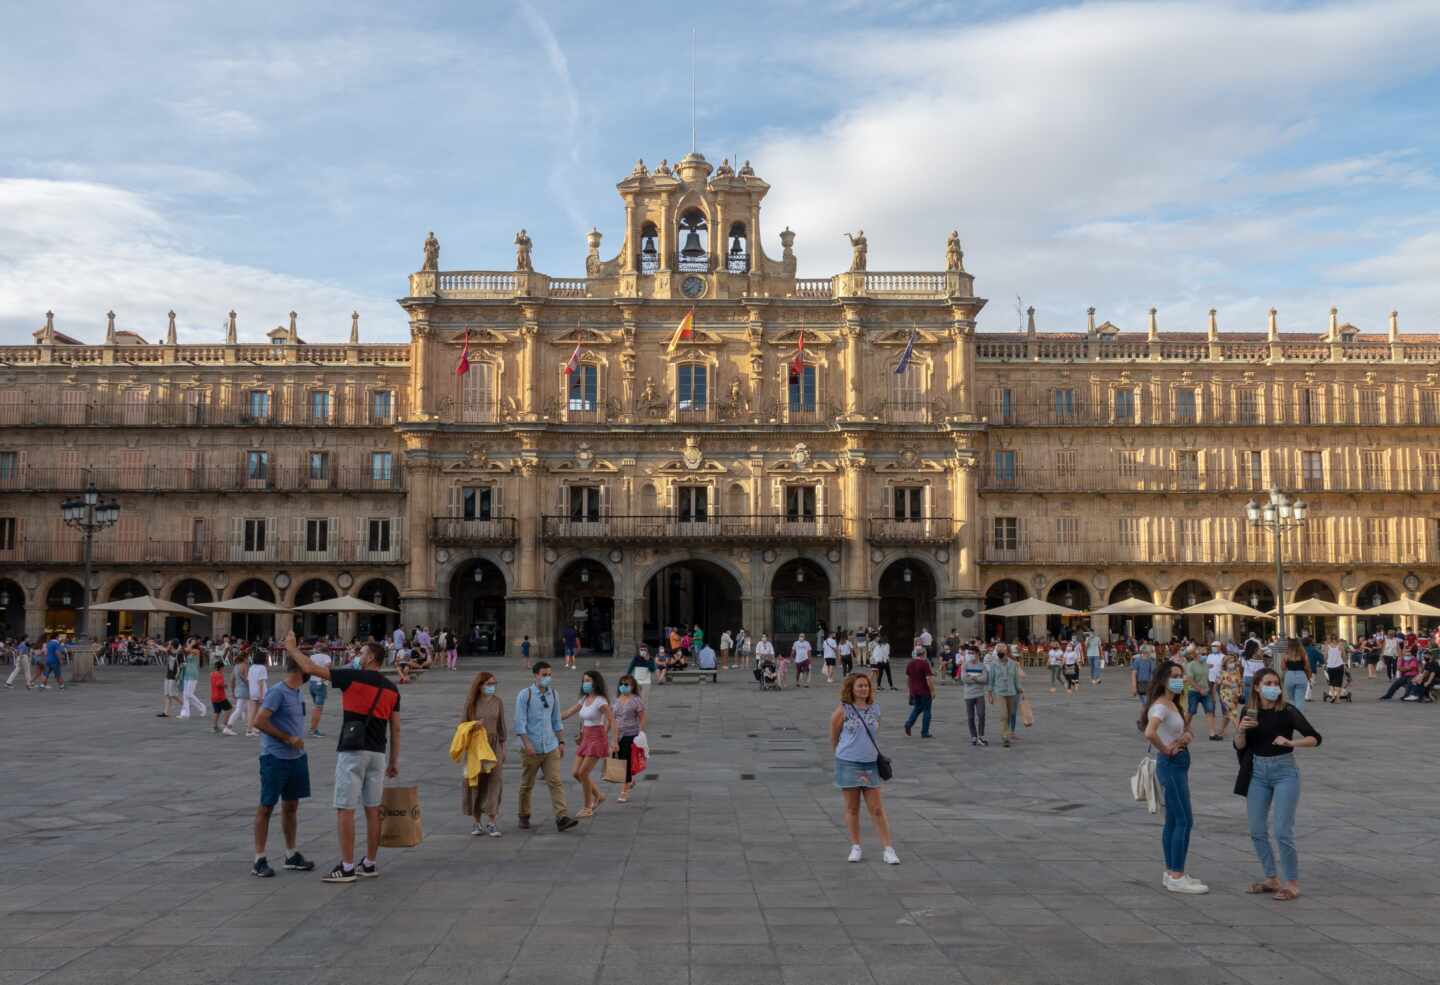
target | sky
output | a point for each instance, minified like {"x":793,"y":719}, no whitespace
{"x":204,"y":156}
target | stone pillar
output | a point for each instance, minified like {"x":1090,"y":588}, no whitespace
{"x":965,"y":585}
{"x":962,"y":327}
{"x":849,"y":606}
{"x":854,"y":372}
{"x":524,"y":606}
{"x":530,"y":370}
{"x":420,"y":363}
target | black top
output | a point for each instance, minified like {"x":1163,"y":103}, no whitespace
{"x":1272,"y":722}
{"x":1295,"y":663}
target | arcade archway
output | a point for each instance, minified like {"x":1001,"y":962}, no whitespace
{"x":62,"y":606}
{"x":125,"y":623}
{"x":12,"y":609}
{"x":477,"y":607}
{"x":1318,"y":628}
{"x":1376,"y":593}
{"x":189,"y":592}
{"x":907,"y":603}
{"x":253,"y":626}
{"x":691,"y":593}
{"x":1073,"y":595}
{"x":585,"y":600}
{"x":378,"y":625}
{"x":1431,"y":597}
{"x":800,"y":602}
{"x":1257,"y":595}
{"x":998,"y":627}
{"x":315,"y":624}
{"x":1135,"y":627}
{"x":1193,"y":627}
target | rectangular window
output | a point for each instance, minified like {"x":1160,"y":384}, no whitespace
{"x":1130,"y":464}
{"x":1187,"y":468}
{"x":382,"y":466}
{"x":1255,"y":470}
{"x":9,"y":466}
{"x":477,"y":393}
{"x":317,"y":466}
{"x":254,"y":535}
{"x":1004,"y":468}
{"x":1372,"y":471}
{"x":693,"y":503}
{"x":257,"y":405}
{"x":477,"y":502}
{"x":1066,"y":467}
{"x":317,"y":535}
{"x":1377,"y":531}
{"x":382,"y":406}
{"x":1005,"y":406}
{"x":800,"y":503}
{"x":907,"y":395}
{"x":257,"y":466}
{"x":1370,"y":406}
{"x":1124,"y":405}
{"x":1067,"y":530}
{"x":802,"y":389}
{"x":585,"y":503}
{"x":583,"y":388}
{"x":1127,"y":531}
{"x":319,"y":407}
{"x":197,"y":402}
{"x":8,"y":525}
{"x":1007,"y":533}
{"x":690,"y":387}
{"x":1185,"y":405}
{"x":1247,"y":405}
{"x":377,"y":538}
{"x":1309,"y":406}
{"x":1432,"y":471}
{"x":1312,"y":470}
{"x":909,"y":503}
{"x":1065,"y":406}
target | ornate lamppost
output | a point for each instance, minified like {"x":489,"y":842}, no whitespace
{"x":89,"y":515}
{"x":1278,"y":514}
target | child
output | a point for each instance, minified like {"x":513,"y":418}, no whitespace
{"x":218,"y":702}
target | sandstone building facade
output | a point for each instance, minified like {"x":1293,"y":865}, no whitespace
{"x":841,"y":450}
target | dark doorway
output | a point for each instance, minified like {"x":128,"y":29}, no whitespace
{"x":691,"y":593}
{"x":1072,"y":595}
{"x":316,"y":624}
{"x":477,"y":607}
{"x":1137,"y":627}
{"x":907,"y":604}
{"x":188,"y":592}
{"x":800,"y":602}
{"x":1257,"y":595}
{"x":1374,"y":594}
{"x":62,"y":606}
{"x":378,"y":625}
{"x":253,"y":626}
{"x":585,"y":599}
{"x":1318,"y":628}
{"x":1193,"y":627}
{"x":1009,"y":629}
{"x":12,"y":610}
{"x":117,"y":623}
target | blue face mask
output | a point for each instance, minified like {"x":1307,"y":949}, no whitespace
{"x":1270,"y":692}
{"x":586,"y":687}
{"x":1176,"y":684}
{"x":489,"y":689}
{"x":545,"y":682}
{"x":623,"y":689}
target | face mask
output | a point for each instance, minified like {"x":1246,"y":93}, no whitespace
{"x":1176,"y":684}
{"x":1270,"y":692}
{"x":489,"y":689}
{"x":624,"y":689}
{"x":586,"y":687}
{"x":545,"y":682}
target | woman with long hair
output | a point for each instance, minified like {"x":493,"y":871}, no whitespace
{"x":1268,"y":732}
{"x":1297,"y":673}
{"x":1229,"y":686}
{"x":1167,"y":728}
{"x":597,"y":721}
{"x":629,"y":714}
{"x":853,"y":726}
{"x":483,"y":800}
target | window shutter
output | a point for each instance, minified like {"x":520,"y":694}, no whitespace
{"x":604,"y":499}
{"x":495,"y":510}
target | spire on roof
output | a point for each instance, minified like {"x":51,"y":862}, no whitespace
{"x":294,"y":337}
{"x":230,"y":335}
{"x":1090,"y":321}
{"x":1272,"y":330}
{"x":1334,"y":334}
{"x":1394,"y":326}
{"x":354,"y":328}
{"x":1154,"y":332}
{"x":110,"y":327}
{"x":170,"y":330}
{"x":1212,"y":333}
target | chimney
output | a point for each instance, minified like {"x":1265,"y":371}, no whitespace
{"x":230,"y":335}
{"x":1394,"y":326}
{"x":1030,"y":321}
{"x":1154,"y":326}
{"x":1334,"y":325}
{"x":354,"y":328}
{"x":1272,"y":327}
{"x":170,"y":331}
{"x":1213,"y":333}
{"x":1090,"y":321}
{"x":294,"y":332}
{"x":109,"y":328}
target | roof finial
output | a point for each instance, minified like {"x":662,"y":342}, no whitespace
{"x":294,"y":336}
{"x":1090,"y":320}
{"x":231,"y":336}
{"x":1154,"y":326}
{"x":1030,"y":320}
{"x":110,"y":328}
{"x":1334,"y":324}
{"x":170,"y":330}
{"x":49,"y":336}
{"x":354,"y":328}
{"x":1394,"y":326}
{"x":1272,"y":329}
{"x":1213,"y":332}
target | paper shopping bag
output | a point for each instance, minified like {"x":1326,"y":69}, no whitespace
{"x":1027,"y":713}
{"x":614,"y":770}
{"x":400,"y":817}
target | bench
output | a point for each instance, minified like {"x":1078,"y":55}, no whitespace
{"x":693,"y":673}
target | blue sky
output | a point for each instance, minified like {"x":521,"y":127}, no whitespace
{"x":203,"y":156}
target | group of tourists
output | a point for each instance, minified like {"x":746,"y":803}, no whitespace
{"x":48,"y":654}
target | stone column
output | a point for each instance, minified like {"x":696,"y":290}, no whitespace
{"x":849,"y":606}
{"x":420,"y":363}
{"x":530,"y":369}
{"x":527,"y":598}
{"x":854,"y":372}
{"x":961,"y":388}
{"x":965,"y":564}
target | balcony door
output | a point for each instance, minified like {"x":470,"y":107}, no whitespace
{"x":692,"y":504}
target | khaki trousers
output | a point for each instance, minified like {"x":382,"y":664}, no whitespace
{"x":549,"y":764}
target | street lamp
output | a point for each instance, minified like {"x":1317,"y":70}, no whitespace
{"x":1278,"y":514}
{"x":88,"y":515}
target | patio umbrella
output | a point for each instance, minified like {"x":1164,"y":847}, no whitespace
{"x":1320,"y":607}
{"x":246,"y":603}
{"x":1031,"y":607}
{"x":1134,"y":607}
{"x":145,"y":603}
{"x":1223,"y":607}
{"x":343,"y":603}
{"x":1402,"y":607}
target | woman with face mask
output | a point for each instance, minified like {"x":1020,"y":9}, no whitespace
{"x":482,"y":801}
{"x":1168,"y":729}
{"x":597,"y":722}
{"x":629,"y":713}
{"x":1268,"y":731}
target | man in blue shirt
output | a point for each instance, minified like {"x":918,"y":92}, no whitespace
{"x":542,"y":738}
{"x":53,"y":649}
{"x":284,"y":768}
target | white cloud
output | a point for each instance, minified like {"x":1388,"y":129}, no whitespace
{"x":82,"y":248}
{"x":1094,"y":152}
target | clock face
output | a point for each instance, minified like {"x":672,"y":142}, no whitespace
{"x":692,"y":286}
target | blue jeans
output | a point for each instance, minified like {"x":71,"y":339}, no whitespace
{"x":1276,"y":781}
{"x":920,"y":706}
{"x":1295,"y":683}
{"x":1173,"y":772}
{"x":1095,"y":668}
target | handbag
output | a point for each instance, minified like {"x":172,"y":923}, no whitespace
{"x":352,"y":733}
{"x":1027,"y":713}
{"x":1247,"y":770}
{"x":882,"y":762}
{"x":614,"y":770}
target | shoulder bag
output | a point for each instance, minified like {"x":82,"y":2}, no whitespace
{"x":882,"y":762}
{"x":352,"y":733}
{"x":1247,"y":770}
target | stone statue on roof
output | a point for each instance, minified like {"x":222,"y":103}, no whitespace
{"x":954,"y":256}
{"x":522,"y":251}
{"x":432,"y":252}
{"x":860,"y":247}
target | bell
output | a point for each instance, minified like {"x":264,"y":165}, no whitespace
{"x":647,"y":246}
{"x":693,"y":250}
{"x":735,"y":248}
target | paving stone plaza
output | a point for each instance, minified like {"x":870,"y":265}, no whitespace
{"x":128,"y":845}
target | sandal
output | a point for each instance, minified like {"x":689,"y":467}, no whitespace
{"x":1260,"y":888}
{"x":622,"y":799}
{"x":1285,"y":895}
{"x":585,"y":812}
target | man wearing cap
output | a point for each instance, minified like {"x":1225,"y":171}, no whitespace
{"x":1213,"y":661}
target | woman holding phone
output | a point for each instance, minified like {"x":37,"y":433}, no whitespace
{"x":1268,"y":730}
{"x":1167,"y":728}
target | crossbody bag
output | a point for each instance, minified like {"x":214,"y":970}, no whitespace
{"x":352,"y":733}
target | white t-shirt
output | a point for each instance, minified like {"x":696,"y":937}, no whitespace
{"x":1172,"y":723}
{"x":1054,"y":656}
{"x":800,"y":651}
{"x":1253,"y":666}
{"x":844,"y":649}
{"x":593,"y":713}
{"x":399,"y":638}
{"x":1334,"y":656}
{"x":257,"y":675}
{"x":1072,"y":657}
{"x":1213,"y":660}
{"x":320,"y":659}
{"x":1391,"y":648}
{"x":879,"y":654}
{"x":764,"y":649}
{"x":926,"y":639}
{"x":829,"y":648}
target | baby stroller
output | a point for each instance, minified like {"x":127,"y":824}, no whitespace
{"x":767,"y":675}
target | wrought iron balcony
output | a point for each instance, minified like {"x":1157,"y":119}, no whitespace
{"x":934,"y":530}
{"x":713,"y":528}
{"x":462,"y":531}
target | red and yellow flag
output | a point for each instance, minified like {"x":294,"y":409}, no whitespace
{"x":684,"y":332}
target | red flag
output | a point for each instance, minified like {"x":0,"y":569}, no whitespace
{"x":463,"y":366}
{"x":573,"y":363}
{"x":797,"y":365}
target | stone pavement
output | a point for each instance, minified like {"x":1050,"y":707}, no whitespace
{"x":127,"y":851}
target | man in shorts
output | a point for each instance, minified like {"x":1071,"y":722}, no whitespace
{"x":284,"y":769}
{"x":830,"y":651}
{"x":371,"y":700}
{"x":318,"y":690}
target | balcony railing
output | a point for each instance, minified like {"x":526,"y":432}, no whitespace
{"x":109,"y":550}
{"x":935,"y":530}
{"x":1060,"y":349}
{"x":734,"y":529}
{"x":179,"y":411}
{"x":1096,"y":477}
{"x":1082,"y":411}
{"x":154,"y":478}
{"x":1341,"y":553}
{"x":457,"y":530}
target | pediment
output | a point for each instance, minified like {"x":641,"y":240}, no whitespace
{"x":478,"y":336}
{"x":901,"y":336}
{"x":911,"y":466}
{"x":809,"y":468}
{"x":483,"y":466}
{"x":700,"y":337}
{"x":581,"y":336}
{"x":790,"y":339}
{"x":584,"y":467}
{"x":679,"y":467}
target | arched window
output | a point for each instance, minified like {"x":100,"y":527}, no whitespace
{"x":477,"y":393}
{"x":907,"y":394}
{"x":582,"y":391}
{"x":691,"y":389}
{"x":649,"y":261}
{"x":694,"y":250}
{"x":737,"y":257}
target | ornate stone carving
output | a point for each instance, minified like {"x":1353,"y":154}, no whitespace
{"x":432,"y":253}
{"x":954,"y":256}
{"x":859,"y":247}
{"x":522,"y":251}
{"x":692,"y":456}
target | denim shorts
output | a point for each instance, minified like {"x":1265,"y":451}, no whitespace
{"x":1202,"y":698}
{"x":283,"y":779}
{"x":855,"y":776}
{"x":359,"y":779}
{"x":317,"y":692}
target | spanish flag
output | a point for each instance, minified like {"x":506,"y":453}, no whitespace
{"x":684,"y":332}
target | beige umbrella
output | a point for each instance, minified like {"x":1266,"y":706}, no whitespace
{"x":145,"y":603}
{"x":1402,"y":607}
{"x":1320,"y":607}
{"x":1031,"y":607}
{"x":246,"y":603}
{"x":1134,"y":607}
{"x":343,"y":603}
{"x":1223,"y":607}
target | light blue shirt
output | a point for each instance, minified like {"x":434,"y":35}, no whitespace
{"x":707,"y":658}
{"x":537,"y":717}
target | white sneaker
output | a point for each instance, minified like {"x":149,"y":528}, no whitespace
{"x":854,"y":854}
{"x":889,"y":856}
{"x":1185,"y":885}
{"x":227,"y":730}
{"x":478,"y":829}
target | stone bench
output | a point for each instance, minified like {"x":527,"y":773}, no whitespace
{"x":693,"y":673}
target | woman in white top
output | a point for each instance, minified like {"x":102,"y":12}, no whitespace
{"x":1168,"y":729}
{"x":743,"y":647}
{"x":1071,"y":664}
{"x":1053,"y":658}
{"x":727,"y":645}
{"x":880,"y":662}
{"x":597,"y":721}
{"x":1334,"y":669}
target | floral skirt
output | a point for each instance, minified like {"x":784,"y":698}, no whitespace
{"x":592,"y":742}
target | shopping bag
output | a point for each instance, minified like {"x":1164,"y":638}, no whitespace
{"x":614,"y":770}
{"x":400,"y":817}
{"x":638,"y":759}
{"x":1027,"y":713}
